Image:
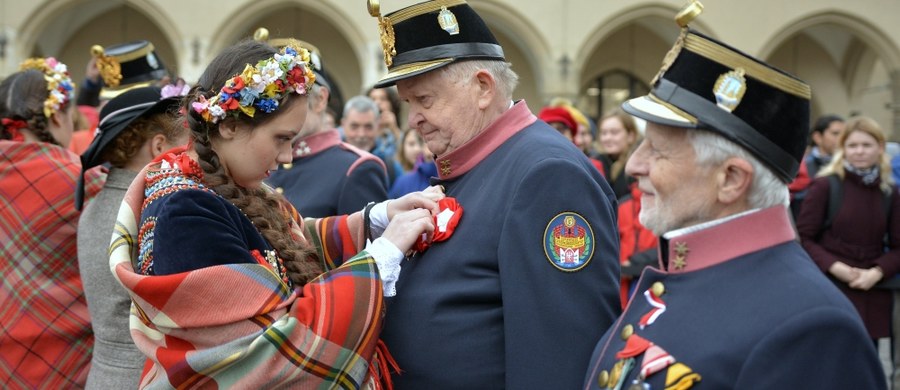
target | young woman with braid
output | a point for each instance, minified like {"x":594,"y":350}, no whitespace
{"x":45,"y":336}
{"x":231,"y":287}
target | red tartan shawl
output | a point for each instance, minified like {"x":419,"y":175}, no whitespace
{"x":237,"y":325}
{"x":45,"y":329}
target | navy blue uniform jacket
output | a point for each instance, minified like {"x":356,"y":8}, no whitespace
{"x":329,"y":177}
{"x":488,"y":309}
{"x":744,"y":308}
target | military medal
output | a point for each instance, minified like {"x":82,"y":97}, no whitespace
{"x":656,"y":302}
{"x":655,"y":359}
{"x":680,"y":376}
{"x":639,"y":384}
{"x":444,"y":223}
{"x":624,"y":370}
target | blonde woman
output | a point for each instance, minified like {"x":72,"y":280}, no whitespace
{"x":848,"y":242}
{"x":618,"y":136}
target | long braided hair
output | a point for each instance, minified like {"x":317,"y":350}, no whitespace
{"x":263,"y":207}
{"x":23,"y":94}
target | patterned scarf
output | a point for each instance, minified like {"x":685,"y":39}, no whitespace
{"x":238,"y":325}
{"x":868,"y":176}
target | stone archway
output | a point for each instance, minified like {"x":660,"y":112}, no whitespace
{"x":135,"y":19}
{"x":630,"y":44}
{"x":852,"y":67}
{"x":523,"y":47}
{"x":322,"y":25}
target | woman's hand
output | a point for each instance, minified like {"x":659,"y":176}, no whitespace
{"x":843,"y":272}
{"x":426,"y":199}
{"x":867,"y":278}
{"x":407,"y":226}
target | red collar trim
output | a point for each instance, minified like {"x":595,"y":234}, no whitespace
{"x":467,"y":156}
{"x":316,"y":143}
{"x":727,"y":240}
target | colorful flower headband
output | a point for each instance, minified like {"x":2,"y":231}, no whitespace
{"x":59,"y":83}
{"x":260,"y":87}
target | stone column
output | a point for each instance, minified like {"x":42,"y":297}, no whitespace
{"x":894,"y":105}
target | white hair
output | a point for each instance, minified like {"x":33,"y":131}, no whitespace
{"x":361,"y":104}
{"x":506,"y":78}
{"x":766,"y":190}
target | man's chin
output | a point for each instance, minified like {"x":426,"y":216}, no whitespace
{"x":653,"y":222}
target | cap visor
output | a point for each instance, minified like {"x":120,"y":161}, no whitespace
{"x":109,"y":93}
{"x":410,"y":70}
{"x":647,"y":108}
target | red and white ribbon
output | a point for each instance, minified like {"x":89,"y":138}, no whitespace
{"x":655,"y":359}
{"x":659,"y":307}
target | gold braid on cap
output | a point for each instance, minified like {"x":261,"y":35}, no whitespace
{"x":109,"y":67}
{"x":685,"y":16}
{"x":386,"y":30}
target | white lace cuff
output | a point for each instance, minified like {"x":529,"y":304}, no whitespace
{"x":387,"y":258}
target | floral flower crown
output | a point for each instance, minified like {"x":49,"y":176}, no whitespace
{"x":59,"y":83}
{"x":260,"y":87}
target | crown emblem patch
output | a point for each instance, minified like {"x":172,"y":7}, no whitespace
{"x":448,"y":22}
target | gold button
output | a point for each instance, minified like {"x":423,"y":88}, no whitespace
{"x":603,"y":379}
{"x":658,"y":289}
{"x":287,"y":166}
{"x":279,"y":190}
{"x":627,"y":331}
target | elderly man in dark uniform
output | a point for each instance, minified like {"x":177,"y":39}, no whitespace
{"x":327,"y":177}
{"x":737,"y":303}
{"x":528,"y":281}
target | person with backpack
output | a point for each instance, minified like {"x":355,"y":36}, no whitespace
{"x":850,"y":226}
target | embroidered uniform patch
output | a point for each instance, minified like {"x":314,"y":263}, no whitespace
{"x":569,"y":242}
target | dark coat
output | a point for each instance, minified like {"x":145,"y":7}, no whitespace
{"x":329,"y":177}
{"x":488,"y":308}
{"x":855,"y":238}
{"x":748,"y":310}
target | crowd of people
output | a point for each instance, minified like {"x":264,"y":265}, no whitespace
{"x":234,"y":233}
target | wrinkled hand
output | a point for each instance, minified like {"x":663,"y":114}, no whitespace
{"x":843,"y":272}
{"x":407,"y":226}
{"x":426,"y":199}
{"x":867,"y":278}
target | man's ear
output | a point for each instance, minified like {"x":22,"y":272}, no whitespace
{"x":816,"y":138}
{"x":487,"y":88}
{"x":323,"y":101}
{"x":734,"y":178}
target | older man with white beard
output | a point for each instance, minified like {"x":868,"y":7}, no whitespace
{"x":736,"y":303}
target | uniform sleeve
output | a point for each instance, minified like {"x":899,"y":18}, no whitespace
{"x":196,"y":229}
{"x":365,"y":182}
{"x":553,"y":318}
{"x":794,"y":355}
{"x":810,"y":221}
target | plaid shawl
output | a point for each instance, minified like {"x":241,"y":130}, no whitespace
{"x":45,"y":328}
{"x":237,"y":325}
